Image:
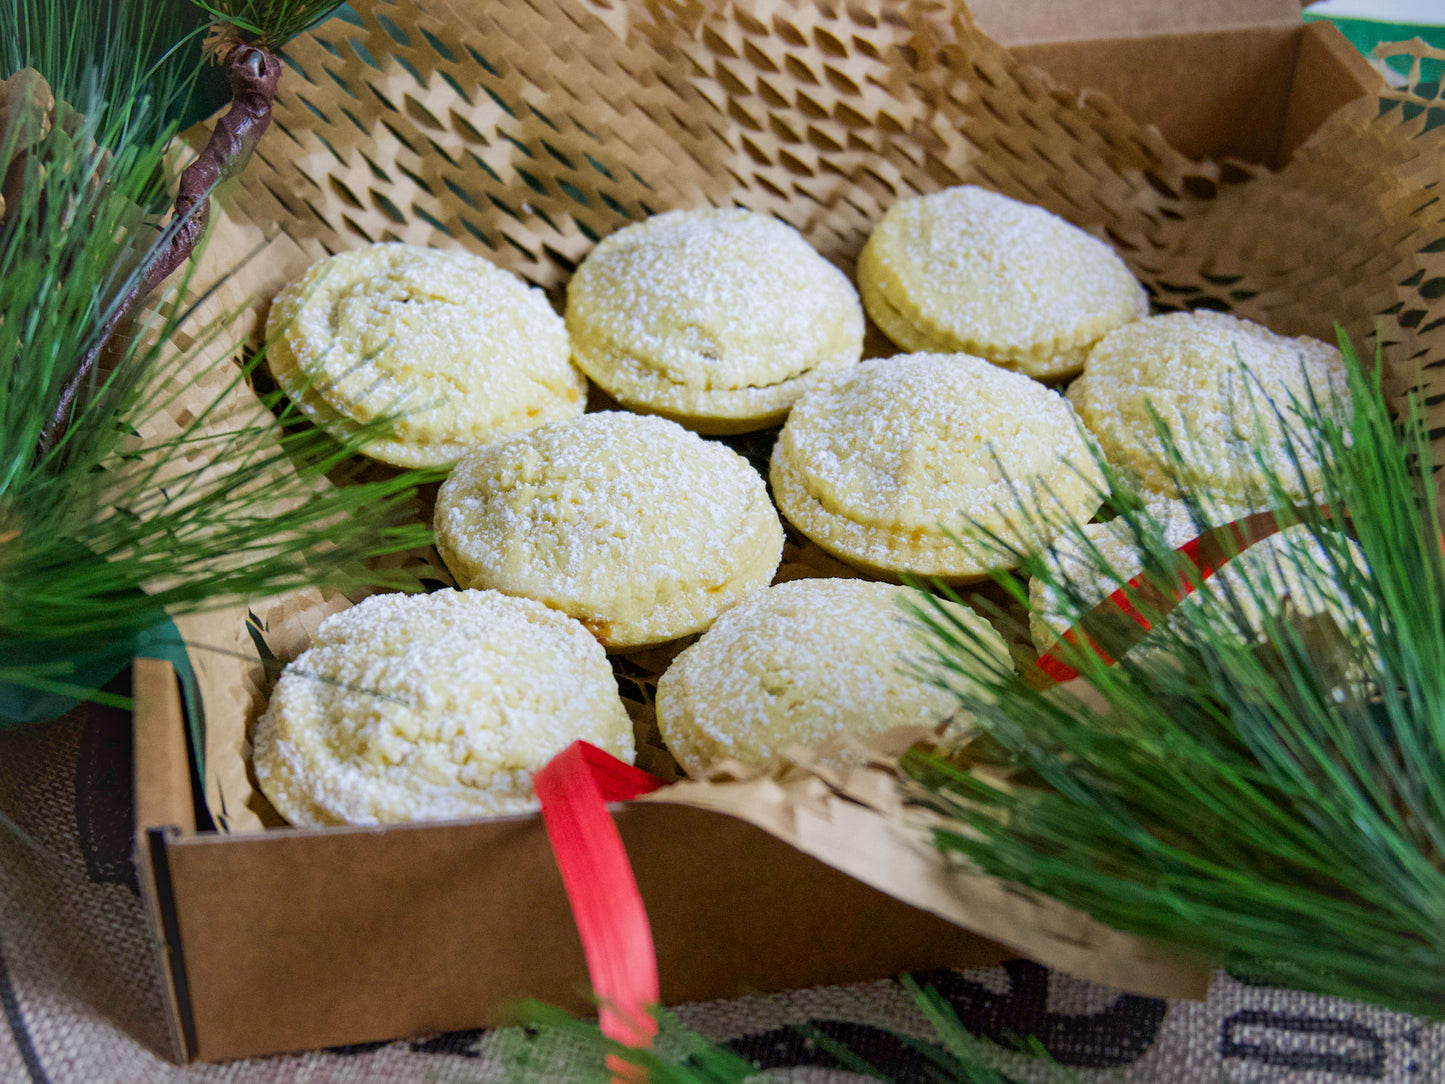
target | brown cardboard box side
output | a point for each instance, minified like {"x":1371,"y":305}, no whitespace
{"x":295,"y":938}
{"x":1234,"y":93}
{"x":1019,"y":23}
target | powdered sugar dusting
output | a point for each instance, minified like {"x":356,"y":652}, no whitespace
{"x":423,"y":707}
{"x":629,"y":522}
{"x":976,"y":271}
{"x":461,"y":350}
{"x":905,"y":448}
{"x":796,"y":664}
{"x":1187,"y":366}
{"x":688,"y":303}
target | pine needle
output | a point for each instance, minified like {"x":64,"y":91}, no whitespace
{"x":108,"y":59}
{"x":1276,"y":802}
{"x":558,"y":1046}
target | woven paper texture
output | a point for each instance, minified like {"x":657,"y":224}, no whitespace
{"x":526,"y":130}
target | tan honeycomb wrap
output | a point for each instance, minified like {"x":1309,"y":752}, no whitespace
{"x":527,"y":129}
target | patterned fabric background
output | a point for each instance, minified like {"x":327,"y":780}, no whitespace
{"x":82,"y":998}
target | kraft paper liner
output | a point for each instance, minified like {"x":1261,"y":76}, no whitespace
{"x":861,"y":821}
{"x":526,"y":129}
{"x":221,"y":653}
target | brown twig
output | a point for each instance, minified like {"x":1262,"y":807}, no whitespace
{"x":254,"y":73}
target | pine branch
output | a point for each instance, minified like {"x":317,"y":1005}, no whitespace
{"x":253,"y":73}
{"x":250,"y":33}
{"x":116,"y":526}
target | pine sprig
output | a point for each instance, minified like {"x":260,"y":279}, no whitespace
{"x":1274,"y":800}
{"x":559,"y":1046}
{"x":128,"y":515}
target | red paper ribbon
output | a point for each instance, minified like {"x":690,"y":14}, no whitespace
{"x":1208,"y":554}
{"x":574,"y":790}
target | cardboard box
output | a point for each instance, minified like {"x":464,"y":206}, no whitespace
{"x":299,"y":938}
{"x":287,"y":939}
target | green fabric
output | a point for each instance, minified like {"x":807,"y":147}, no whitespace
{"x":62,"y":686}
{"x":77,"y":669}
{"x":1365,"y":34}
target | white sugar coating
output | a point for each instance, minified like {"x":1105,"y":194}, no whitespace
{"x":1290,"y":563}
{"x":1187,"y":367}
{"x":638,"y":527}
{"x":797,"y":664}
{"x":880,"y":463}
{"x":459,"y":350}
{"x":433,"y":707}
{"x":968,"y":270}
{"x":718,"y":319}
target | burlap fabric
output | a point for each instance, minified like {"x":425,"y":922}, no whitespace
{"x":82,"y":1002}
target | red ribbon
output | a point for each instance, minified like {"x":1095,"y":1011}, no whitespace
{"x":574,"y":789}
{"x":1207,"y":554}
